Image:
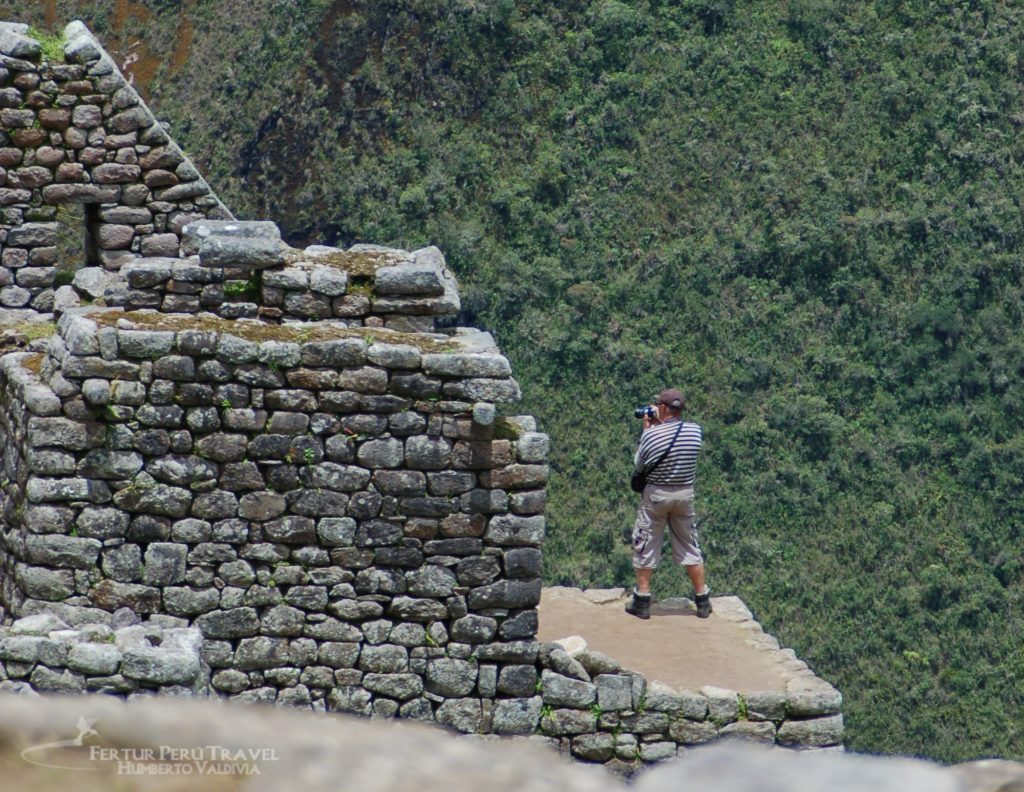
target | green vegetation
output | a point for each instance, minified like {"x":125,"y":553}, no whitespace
{"x":240,"y":288}
{"x":805,"y":214}
{"x":53,"y":45}
{"x":32,"y":331}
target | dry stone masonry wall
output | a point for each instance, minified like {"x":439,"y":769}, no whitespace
{"x":74,"y":131}
{"x":42,"y":653}
{"x":244,"y":270}
{"x":243,"y":470}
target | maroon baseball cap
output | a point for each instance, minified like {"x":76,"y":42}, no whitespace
{"x":671,"y":398}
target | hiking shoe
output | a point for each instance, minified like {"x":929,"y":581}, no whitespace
{"x":640,"y":605}
{"x":703,"y":602}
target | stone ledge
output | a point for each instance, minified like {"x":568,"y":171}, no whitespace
{"x":43,"y":654}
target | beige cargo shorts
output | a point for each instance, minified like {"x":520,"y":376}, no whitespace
{"x":663,"y":505}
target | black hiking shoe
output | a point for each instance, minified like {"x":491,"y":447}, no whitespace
{"x":640,"y":605}
{"x":703,"y":602}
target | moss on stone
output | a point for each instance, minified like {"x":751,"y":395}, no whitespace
{"x":361,"y":264}
{"x":35,"y":330}
{"x":52,"y":44}
{"x":504,"y":429}
{"x":299,"y":333}
{"x":33,"y":363}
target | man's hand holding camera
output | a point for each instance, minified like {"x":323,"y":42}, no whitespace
{"x":651,"y":415}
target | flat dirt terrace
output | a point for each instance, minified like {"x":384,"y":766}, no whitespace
{"x":673,"y":646}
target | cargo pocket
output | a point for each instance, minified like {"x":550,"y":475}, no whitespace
{"x":641,"y":536}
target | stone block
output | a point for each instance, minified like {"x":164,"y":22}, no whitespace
{"x":308,"y":598}
{"x":283,"y":620}
{"x":165,"y":563}
{"x":723,"y":705}
{"x":477,"y":571}
{"x":233,"y":623}
{"x":463,"y":715}
{"x":645,"y":722}
{"x":188,"y":602}
{"x":507,"y":652}
{"x":65,"y":433}
{"x":101,"y":523}
{"x":515,"y":477}
{"x":94,"y":659}
{"x":396,"y":686}
{"x":260,"y":653}
{"x":245,"y":253}
{"x":466,"y":365}
{"x":154,"y":499}
{"x":111,"y":595}
{"x":338,"y":654}
{"x":108,"y":464}
{"x":752,"y":731}
{"x":562,"y":691}
{"x":563,"y":722}
{"x":474,"y":629}
{"x":491,"y":390}
{"x":450,"y":677}
{"x":21,"y":648}
{"x":614,"y":692}
{"x":427,"y":453}
{"x":766,"y":705}
{"x":688,"y":732}
{"x":350,"y":698}
{"x":421,"y":279}
{"x":810,"y":696}
{"x":513,"y":530}
{"x":516,"y":715}
{"x":291,"y":530}
{"x":525,"y":562}
{"x":812,"y":732}
{"x":417,"y":610}
{"x":506,"y":594}
{"x":594,"y":747}
{"x":62,"y":551}
{"x":518,"y":680}
{"x":450,"y":482}
{"x":45,"y":680}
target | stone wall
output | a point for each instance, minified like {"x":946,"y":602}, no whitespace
{"x":74,"y":131}
{"x":310,"y":492}
{"x":43,"y":654}
{"x":333,"y":507}
{"x":244,"y":270}
{"x":291,"y":750}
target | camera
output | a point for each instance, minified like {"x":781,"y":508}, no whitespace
{"x":647,"y":411}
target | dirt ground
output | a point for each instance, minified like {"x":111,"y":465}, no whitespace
{"x":673,"y":646}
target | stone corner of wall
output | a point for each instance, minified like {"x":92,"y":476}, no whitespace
{"x":593,"y":709}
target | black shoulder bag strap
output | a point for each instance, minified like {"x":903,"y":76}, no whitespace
{"x":662,"y":457}
{"x":639,"y":480}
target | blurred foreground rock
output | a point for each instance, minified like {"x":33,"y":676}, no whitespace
{"x":95,"y":743}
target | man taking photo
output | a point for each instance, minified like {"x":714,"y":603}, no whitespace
{"x":668,"y":452}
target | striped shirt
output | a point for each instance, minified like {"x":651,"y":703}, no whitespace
{"x":679,"y":468}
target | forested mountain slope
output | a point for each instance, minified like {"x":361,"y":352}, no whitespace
{"x":805,"y":214}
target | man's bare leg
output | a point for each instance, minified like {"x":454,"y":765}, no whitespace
{"x":696,"y":573}
{"x":643,"y":580}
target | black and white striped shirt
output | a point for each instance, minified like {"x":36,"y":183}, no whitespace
{"x":679,"y":468}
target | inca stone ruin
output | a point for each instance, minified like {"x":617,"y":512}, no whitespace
{"x":242,"y":470}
